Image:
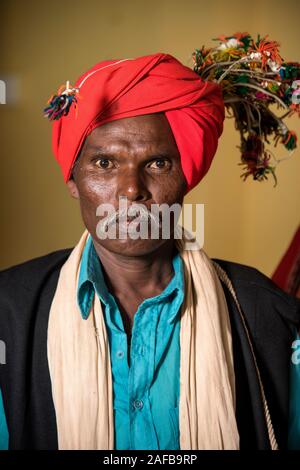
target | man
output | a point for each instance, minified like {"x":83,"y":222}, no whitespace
{"x":140,"y":343}
{"x":287,"y":277}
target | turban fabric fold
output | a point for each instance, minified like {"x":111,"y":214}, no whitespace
{"x":155,"y":83}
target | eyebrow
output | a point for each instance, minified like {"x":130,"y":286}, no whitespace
{"x":102,"y":152}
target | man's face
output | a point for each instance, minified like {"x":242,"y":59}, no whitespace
{"x":134,"y":157}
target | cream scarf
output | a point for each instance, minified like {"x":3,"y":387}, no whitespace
{"x":80,"y":367}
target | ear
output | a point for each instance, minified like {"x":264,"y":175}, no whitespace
{"x":73,"y":190}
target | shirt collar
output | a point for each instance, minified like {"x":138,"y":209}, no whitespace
{"x":91,"y":280}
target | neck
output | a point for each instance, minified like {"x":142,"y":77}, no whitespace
{"x":146,"y":275}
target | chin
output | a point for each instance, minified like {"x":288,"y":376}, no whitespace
{"x":129,"y":247}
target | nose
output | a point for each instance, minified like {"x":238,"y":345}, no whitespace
{"x":131,"y":185}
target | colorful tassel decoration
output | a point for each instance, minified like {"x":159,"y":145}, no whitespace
{"x":253,"y":77}
{"x":256,"y":160}
{"x":290,"y":140}
{"x":59,"y":104}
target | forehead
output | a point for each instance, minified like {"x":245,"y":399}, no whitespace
{"x":147,"y":130}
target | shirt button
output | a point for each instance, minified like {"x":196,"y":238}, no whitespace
{"x":138,"y":404}
{"x":120,"y":354}
{"x":140,"y":350}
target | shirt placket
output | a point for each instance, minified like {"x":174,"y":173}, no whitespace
{"x":141,"y":373}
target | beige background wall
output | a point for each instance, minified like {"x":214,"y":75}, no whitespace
{"x":43,"y":43}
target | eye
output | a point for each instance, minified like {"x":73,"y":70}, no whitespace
{"x":160,"y":164}
{"x":104,"y":163}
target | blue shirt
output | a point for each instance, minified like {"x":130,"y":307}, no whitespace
{"x":294,"y":428}
{"x":3,"y":426}
{"x":146,"y":394}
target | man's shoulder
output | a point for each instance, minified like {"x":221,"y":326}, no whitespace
{"x":242,"y":273}
{"x":32,"y":272}
{"x":252,"y":285}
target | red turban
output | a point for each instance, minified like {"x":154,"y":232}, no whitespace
{"x":155,"y":83}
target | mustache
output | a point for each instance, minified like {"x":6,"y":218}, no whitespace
{"x":135,"y":211}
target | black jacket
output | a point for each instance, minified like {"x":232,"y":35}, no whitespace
{"x":26,"y":292}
